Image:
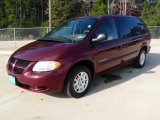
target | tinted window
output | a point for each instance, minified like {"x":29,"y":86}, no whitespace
{"x":129,"y":26}
{"x":108,"y":27}
{"x":143,"y":27}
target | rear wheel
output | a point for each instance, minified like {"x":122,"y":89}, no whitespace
{"x":141,"y":59}
{"x":78,"y":81}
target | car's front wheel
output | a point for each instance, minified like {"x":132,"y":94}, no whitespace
{"x":78,"y":81}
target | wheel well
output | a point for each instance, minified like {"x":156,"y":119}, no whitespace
{"x":87,"y":64}
{"x":144,"y":48}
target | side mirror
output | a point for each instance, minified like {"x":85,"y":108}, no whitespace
{"x":100,"y":37}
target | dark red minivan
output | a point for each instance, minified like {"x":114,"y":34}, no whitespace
{"x":68,"y":57}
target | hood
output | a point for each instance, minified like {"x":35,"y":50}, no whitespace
{"x":37,"y":50}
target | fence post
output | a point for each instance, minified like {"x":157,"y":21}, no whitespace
{"x":15,"y":38}
{"x":155,"y":36}
{"x":47,"y":29}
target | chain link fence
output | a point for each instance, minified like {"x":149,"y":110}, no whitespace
{"x":11,"y":37}
{"x":15,"y":35}
{"x":10,"y":34}
{"x":155,"y":31}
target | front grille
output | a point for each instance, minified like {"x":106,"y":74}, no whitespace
{"x":17,"y":65}
{"x":18,"y":70}
{"x":23,"y":63}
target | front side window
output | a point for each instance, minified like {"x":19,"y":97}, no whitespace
{"x":74,"y":30}
{"x":107,"y":27}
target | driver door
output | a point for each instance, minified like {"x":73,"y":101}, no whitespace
{"x":109,"y":51}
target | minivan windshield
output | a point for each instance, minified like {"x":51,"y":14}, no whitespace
{"x":72,"y":31}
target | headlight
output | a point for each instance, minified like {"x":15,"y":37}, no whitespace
{"x":44,"y":66}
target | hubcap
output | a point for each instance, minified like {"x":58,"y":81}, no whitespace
{"x":142,"y":58}
{"x":81,"y":82}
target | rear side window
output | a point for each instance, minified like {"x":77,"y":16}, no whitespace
{"x":108,"y":27}
{"x":129,"y":27}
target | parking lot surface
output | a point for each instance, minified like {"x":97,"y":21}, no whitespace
{"x":123,"y":94}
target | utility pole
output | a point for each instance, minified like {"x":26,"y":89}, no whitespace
{"x":20,"y":13}
{"x":125,"y":7}
{"x":50,"y":15}
{"x":120,"y":10}
{"x":108,"y":7}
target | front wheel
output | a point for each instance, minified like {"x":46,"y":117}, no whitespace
{"x":78,"y":81}
{"x":141,"y":59}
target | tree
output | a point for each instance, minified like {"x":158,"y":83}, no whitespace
{"x":3,"y":21}
{"x":7,"y":12}
{"x":86,"y":7}
{"x":99,"y":8}
{"x":151,"y":13}
{"x":64,"y":10}
{"x":72,"y":9}
{"x":22,"y":13}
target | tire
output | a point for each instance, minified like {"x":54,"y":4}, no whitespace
{"x":140,"y":60}
{"x":77,"y":85}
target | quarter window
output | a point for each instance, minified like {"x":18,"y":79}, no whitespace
{"x":130,"y":26}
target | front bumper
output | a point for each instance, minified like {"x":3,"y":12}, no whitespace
{"x":52,"y":81}
{"x":37,"y":83}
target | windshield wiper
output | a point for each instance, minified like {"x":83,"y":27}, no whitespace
{"x":57,"y":38}
{"x":66,"y":39}
{"x":50,"y":40}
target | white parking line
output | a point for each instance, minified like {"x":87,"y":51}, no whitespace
{"x":6,"y":52}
